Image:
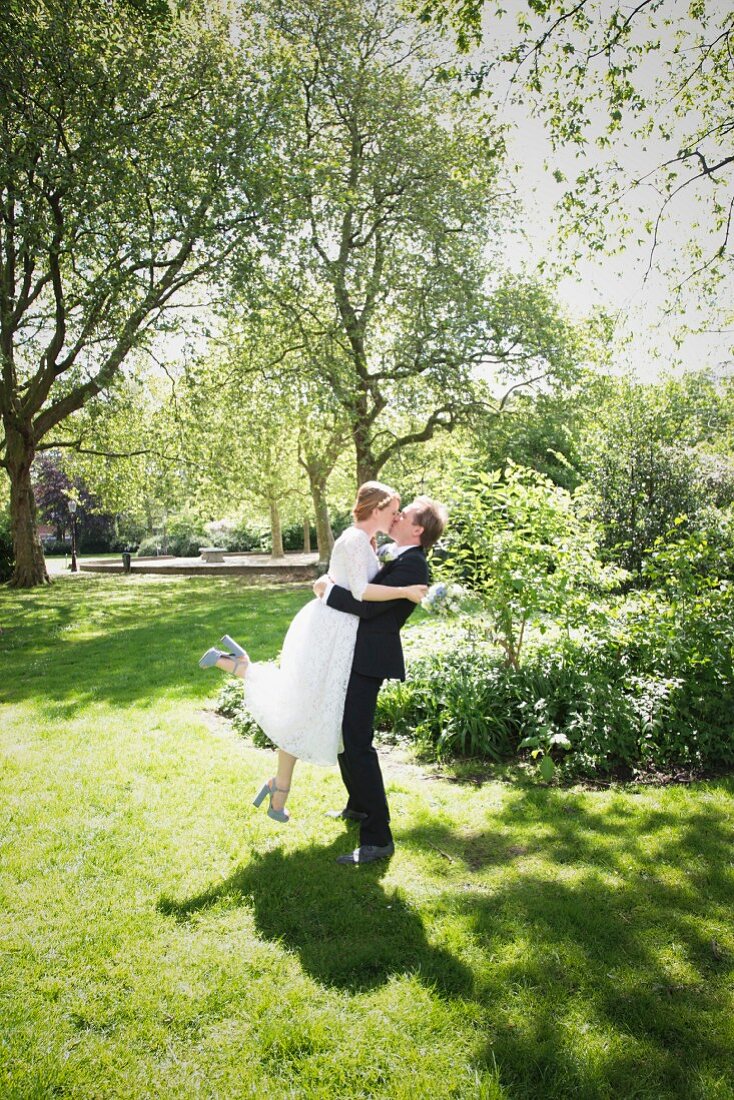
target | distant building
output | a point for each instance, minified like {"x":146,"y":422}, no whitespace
{"x":47,"y":533}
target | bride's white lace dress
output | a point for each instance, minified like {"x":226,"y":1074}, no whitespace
{"x":300,"y":703}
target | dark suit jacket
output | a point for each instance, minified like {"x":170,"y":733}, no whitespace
{"x":378,"y":651}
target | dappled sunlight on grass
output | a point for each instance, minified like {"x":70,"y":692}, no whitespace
{"x":128,"y":640}
{"x":163,"y":937}
{"x":578,"y":908}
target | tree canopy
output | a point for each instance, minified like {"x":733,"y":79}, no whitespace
{"x":138,"y":155}
{"x":655,"y":76}
{"x":321,"y":177}
{"x":396,"y":263}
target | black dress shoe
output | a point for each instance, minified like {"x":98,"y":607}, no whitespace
{"x":368,"y":853}
{"x":346,"y":815}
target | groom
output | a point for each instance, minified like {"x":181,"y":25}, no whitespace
{"x":378,"y":656}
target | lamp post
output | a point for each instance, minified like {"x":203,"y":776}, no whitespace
{"x":72,"y":510}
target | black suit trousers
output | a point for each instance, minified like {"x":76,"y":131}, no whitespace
{"x":359,"y":764}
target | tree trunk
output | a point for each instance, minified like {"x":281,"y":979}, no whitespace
{"x":276,"y":530}
{"x":366,"y":471}
{"x":366,"y":466}
{"x":30,"y":564}
{"x":324,"y":534}
{"x":307,"y":534}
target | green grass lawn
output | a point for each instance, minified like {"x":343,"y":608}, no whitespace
{"x":162,"y":938}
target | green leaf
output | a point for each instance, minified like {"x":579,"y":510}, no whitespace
{"x":547,"y":768}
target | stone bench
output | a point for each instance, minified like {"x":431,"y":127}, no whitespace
{"x":211,"y":554}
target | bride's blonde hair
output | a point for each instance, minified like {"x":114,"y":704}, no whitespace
{"x":370,"y":496}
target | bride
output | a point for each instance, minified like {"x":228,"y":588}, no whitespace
{"x":300,"y":704}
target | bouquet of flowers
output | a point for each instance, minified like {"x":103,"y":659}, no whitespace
{"x":387,"y":553}
{"x":444,"y":599}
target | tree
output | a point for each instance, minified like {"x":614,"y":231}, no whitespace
{"x":523,"y":549}
{"x":128,"y":450}
{"x":240,"y":442}
{"x":399,"y":186}
{"x":542,"y":429}
{"x":299,"y":372}
{"x":52,"y":491}
{"x":321,"y":442}
{"x":643,"y":471}
{"x":137,"y":157}
{"x":570,"y":59}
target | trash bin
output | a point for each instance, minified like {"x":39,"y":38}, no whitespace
{"x":126,"y":561}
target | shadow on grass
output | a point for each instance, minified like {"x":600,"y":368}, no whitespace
{"x":595,"y":967}
{"x":589,"y":956}
{"x":558,"y":825}
{"x":605,"y":978}
{"x":349,"y":932}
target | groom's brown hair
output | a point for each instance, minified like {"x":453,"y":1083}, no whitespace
{"x":432,"y":517}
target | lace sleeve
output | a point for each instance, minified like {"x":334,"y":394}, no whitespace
{"x":359,"y":562}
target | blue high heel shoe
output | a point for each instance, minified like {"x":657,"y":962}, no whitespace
{"x":231,"y":646}
{"x":211,"y":657}
{"x":262,"y":794}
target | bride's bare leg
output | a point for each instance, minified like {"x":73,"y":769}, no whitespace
{"x":237,"y":665}
{"x":286,"y":764}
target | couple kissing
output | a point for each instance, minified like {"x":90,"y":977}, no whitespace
{"x":318,"y":704}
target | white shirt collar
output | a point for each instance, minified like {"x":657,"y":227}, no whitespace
{"x":395,"y":550}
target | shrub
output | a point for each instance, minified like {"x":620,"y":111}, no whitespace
{"x":339,"y":521}
{"x":293,"y":537}
{"x":219,"y":533}
{"x":186,"y":533}
{"x":457,"y":704}
{"x":683,"y":633}
{"x":150,"y":546}
{"x":97,"y":545}
{"x":231,"y":704}
{"x":517,"y":541}
{"x":53,"y":547}
{"x":237,"y":536}
{"x":242,"y":536}
{"x":716,"y":478}
{"x":129,"y":532}
{"x":584,"y":690}
{"x":95,"y":530}
{"x":647,"y":682}
{"x":642,"y":473}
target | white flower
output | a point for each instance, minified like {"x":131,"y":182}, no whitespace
{"x":387,"y":553}
{"x":444,"y":599}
